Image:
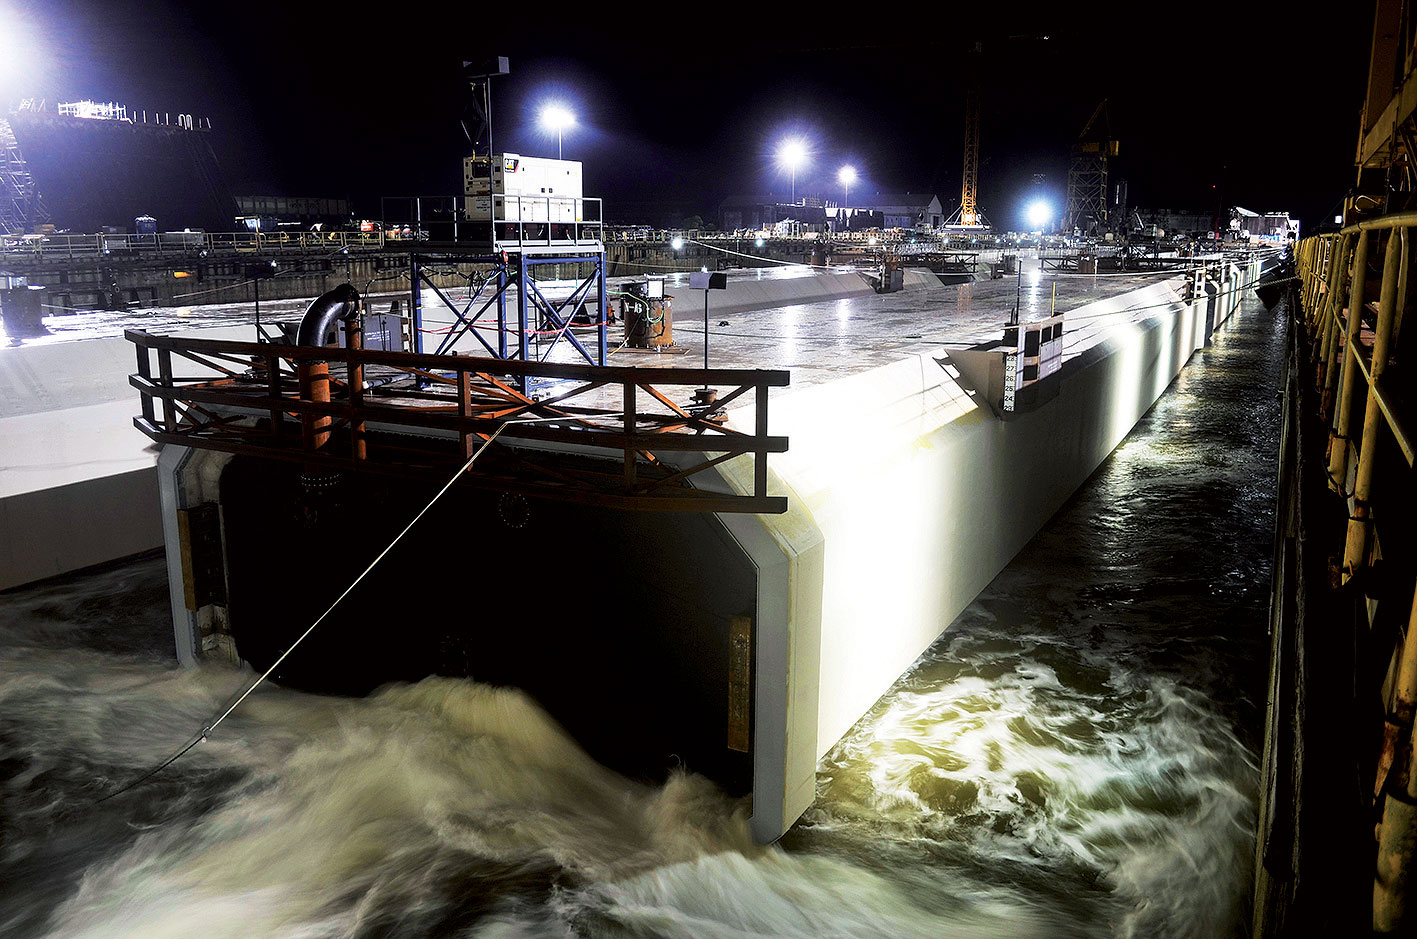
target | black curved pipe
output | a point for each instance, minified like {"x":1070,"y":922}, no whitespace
{"x":337,"y":305}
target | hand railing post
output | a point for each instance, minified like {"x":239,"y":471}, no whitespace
{"x":465,"y":411}
{"x":273,"y":391}
{"x":145,"y":371}
{"x":164,"y":373}
{"x":760,"y":431}
{"x":1356,"y":545}
{"x":1357,"y":292}
{"x":630,"y":416}
{"x":354,"y":377}
{"x":1331,"y":311}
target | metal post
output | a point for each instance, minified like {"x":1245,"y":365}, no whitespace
{"x":415,"y":303}
{"x":145,"y":371}
{"x":273,"y":390}
{"x":523,"y":273}
{"x":1328,"y":375}
{"x":354,"y":375}
{"x":164,"y":377}
{"x":465,"y":411}
{"x":1355,"y":548}
{"x":1338,"y":443}
{"x":1396,"y":832}
{"x":1018,"y":293}
{"x":501,"y":312}
{"x":314,"y":386}
{"x":259,"y":334}
{"x":491,"y":172}
{"x":630,"y":388}
{"x":706,"y":365}
{"x":760,"y":428}
{"x":603,"y":316}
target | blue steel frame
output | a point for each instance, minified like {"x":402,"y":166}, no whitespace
{"x":536,"y":314}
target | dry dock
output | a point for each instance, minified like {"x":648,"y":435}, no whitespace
{"x":901,"y":468}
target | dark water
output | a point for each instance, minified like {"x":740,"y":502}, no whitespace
{"x":1075,"y":756}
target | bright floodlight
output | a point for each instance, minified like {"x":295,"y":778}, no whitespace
{"x":677,"y":243}
{"x":557,"y":117}
{"x":792,"y":153}
{"x":758,"y":242}
{"x":1039,"y":214}
{"x":846,"y":176}
{"x":15,"y":58}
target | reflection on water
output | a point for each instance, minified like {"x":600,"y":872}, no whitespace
{"x":1075,"y":756}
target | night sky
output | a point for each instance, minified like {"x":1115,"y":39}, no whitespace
{"x":680,"y":107}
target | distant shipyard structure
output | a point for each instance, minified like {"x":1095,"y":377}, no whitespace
{"x":21,"y":208}
{"x":1238,"y":224}
{"x":99,"y":166}
{"x":908,"y":211}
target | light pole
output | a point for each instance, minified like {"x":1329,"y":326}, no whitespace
{"x":792,"y":153}
{"x":1038,"y":214}
{"x":846,"y":176}
{"x":557,"y":117}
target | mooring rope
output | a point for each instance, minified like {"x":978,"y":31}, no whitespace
{"x":201,"y":735}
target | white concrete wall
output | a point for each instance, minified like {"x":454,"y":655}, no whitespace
{"x":78,"y":482}
{"x":745,"y":292}
{"x":913,"y":496}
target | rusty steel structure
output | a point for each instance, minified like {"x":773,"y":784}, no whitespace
{"x":606,"y":435}
{"x":1337,"y":839}
{"x":1353,"y":428}
{"x":1336,"y":846}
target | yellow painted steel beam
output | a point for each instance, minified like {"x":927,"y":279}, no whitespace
{"x":1338,"y":445}
{"x":1355,"y":548}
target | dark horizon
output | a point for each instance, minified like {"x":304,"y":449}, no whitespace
{"x":312,"y":101}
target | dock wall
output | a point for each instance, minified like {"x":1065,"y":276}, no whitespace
{"x":908,"y":497}
{"x":78,"y":483}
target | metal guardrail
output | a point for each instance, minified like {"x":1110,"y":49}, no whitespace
{"x":532,"y":221}
{"x":284,"y":402}
{"x":187,"y":243}
{"x":1365,"y":418}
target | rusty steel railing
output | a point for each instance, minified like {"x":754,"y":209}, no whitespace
{"x":1352,"y":344}
{"x":289,"y":403}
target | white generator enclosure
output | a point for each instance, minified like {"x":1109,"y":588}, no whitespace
{"x":522,"y":189}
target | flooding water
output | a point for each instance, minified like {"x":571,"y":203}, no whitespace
{"x":1076,"y":756}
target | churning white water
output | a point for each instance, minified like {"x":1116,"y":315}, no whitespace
{"x":1075,"y":756}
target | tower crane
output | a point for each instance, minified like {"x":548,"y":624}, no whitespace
{"x":1086,"y":209}
{"x":969,"y":215}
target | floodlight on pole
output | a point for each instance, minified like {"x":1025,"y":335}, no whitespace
{"x":1039,"y":214}
{"x":846,"y":176}
{"x":17,"y":61}
{"x":557,"y":117}
{"x":792,"y":153}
